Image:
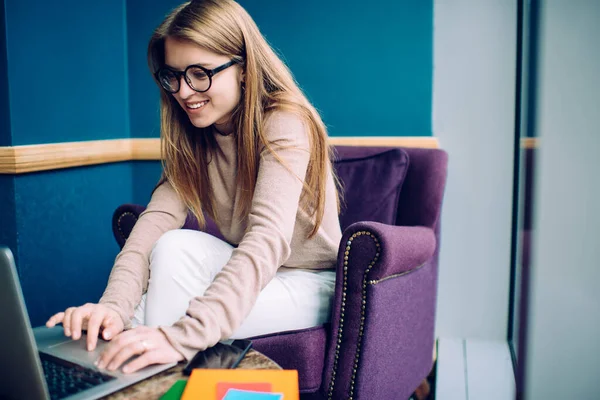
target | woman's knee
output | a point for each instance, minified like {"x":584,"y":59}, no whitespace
{"x":182,"y":250}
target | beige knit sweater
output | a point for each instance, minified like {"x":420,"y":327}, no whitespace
{"x":273,"y":235}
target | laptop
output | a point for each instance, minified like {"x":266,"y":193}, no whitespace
{"x":43,"y":363}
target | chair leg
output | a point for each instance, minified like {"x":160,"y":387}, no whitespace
{"x":423,"y":391}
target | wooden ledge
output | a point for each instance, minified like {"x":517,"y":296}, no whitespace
{"x":44,"y":157}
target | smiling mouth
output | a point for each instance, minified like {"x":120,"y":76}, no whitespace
{"x":197,"y":105}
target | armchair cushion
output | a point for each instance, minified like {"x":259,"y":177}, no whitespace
{"x":371,"y":180}
{"x":303,"y":350}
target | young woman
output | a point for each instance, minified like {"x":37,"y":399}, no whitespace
{"x":241,"y":143}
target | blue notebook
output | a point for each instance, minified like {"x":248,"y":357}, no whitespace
{"x":236,"y":394}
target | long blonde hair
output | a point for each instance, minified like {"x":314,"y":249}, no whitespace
{"x":225,"y":28}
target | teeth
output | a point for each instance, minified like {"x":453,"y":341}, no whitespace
{"x":196,"y":105}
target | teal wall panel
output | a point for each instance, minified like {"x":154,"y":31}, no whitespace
{"x":65,"y":237}
{"x":5,"y":134}
{"x":8,"y":217}
{"x":367,"y":67}
{"x":145,"y":177}
{"x":67,"y":70}
{"x":142,"y":18}
{"x":368,"y":70}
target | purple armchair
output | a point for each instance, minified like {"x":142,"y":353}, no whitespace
{"x":379,"y":343}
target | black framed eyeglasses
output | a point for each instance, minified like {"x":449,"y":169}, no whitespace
{"x":196,"y":76}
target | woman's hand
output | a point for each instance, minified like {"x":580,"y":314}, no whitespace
{"x":92,"y":317}
{"x":150,"y":344}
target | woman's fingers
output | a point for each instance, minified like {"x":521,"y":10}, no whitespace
{"x":117,"y":345}
{"x":67,"y":320}
{"x":150,"y":343}
{"x":78,"y":317}
{"x":135,"y":347}
{"x":113,"y":325}
{"x":92,"y":317}
{"x":55,"y":319}
{"x":148,"y":358}
{"x":96,"y":319}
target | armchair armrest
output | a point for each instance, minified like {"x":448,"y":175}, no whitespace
{"x":123,"y":220}
{"x":384,"y":309}
{"x":126,"y":215}
{"x":401,"y":248}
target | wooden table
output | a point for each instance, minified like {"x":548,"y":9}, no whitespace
{"x":156,"y":386}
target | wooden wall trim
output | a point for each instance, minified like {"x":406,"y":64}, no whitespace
{"x":426,"y":142}
{"x":530,"y":143}
{"x":145,"y":149}
{"x":44,"y":157}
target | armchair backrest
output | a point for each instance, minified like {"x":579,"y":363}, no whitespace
{"x":395,"y":186}
{"x":423,"y":190}
{"x":391,"y":185}
{"x":371,"y":179}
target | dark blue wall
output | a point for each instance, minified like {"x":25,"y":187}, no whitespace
{"x":78,"y":72}
{"x":67,"y":75}
{"x":142,"y":18}
{"x":5,"y":133}
{"x":8,"y":217}
{"x":67,"y":70}
{"x":66,"y":247}
{"x":145,"y":177}
{"x":368,"y":69}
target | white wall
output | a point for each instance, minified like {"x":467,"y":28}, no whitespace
{"x":473,"y":117}
{"x":563,"y":341}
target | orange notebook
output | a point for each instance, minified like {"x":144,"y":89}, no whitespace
{"x":208,"y":384}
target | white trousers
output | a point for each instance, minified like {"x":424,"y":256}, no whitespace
{"x":183,"y":263}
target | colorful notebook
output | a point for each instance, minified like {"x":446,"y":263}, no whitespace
{"x":175,"y":392}
{"x":218,"y":384}
{"x":224,"y":387}
{"x":235,"y":394}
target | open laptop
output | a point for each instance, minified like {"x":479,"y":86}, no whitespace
{"x":43,"y":363}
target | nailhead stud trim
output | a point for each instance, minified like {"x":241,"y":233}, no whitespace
{"x":362,"y":314}
{"x":119,"y":222}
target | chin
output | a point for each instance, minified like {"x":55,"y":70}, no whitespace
{"x":200,"y":125}
{"x":201,"y":122}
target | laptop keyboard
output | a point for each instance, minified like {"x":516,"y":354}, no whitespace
{"x":65,"y":378}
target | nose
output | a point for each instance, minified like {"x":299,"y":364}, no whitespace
{"x":185,"y":91}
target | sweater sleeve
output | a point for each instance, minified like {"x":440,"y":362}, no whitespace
{"x":129,"y":276}
{"x":264,"y":247}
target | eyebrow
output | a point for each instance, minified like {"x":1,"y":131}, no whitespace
{"x":207,"y":66}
